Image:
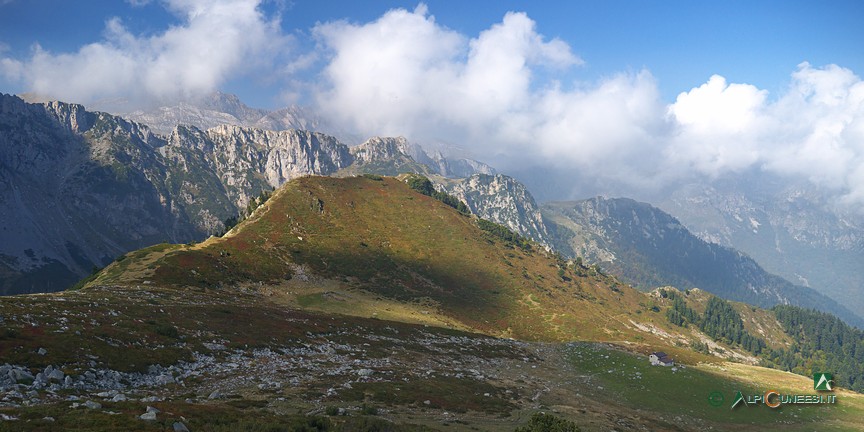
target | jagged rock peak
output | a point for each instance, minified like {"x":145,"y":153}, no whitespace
{"x":503,"y":200}
{"x":73,"y":117}
{"x":382,"y":148}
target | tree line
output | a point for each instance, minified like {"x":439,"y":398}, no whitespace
{"x":720,"y":321}
{"x":821,"y":343}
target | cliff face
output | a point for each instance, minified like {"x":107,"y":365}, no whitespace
{"x":503,"y":200}
{"x":80,"y":188}
{"x":77,"y":189}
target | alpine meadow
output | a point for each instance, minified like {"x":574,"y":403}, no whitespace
{"x":255,"y":215}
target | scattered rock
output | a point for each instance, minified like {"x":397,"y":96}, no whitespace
{"x":180,"y":427}
{"x":214,"y":346}
{"x":92,"y":405}
{"x":56,"y":375}
{"x":119,"y":398}
{"x":20,"y":375}
{"x":215,"y":395}
{"x":42,"y":351}
{"x":365,"y":372}
{"x":153,"y":410}
{"x":149,"y":416}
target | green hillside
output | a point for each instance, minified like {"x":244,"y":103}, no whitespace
{"x":370,"y":237}
{"x":361,"y":304}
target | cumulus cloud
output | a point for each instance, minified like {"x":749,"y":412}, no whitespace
{"x":815,"y":130}
{"x":405,"y":74}
{"x":217,"y":40}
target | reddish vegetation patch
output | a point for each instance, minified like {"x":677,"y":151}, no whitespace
{"x":185,"y":260}
{"x":31,"y":331}
{"x":238,"y":243}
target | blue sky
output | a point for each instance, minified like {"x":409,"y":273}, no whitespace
{"x":636,"y":94}
{"x":682,"y":43}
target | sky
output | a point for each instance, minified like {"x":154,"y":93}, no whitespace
{"x":636,"y":94}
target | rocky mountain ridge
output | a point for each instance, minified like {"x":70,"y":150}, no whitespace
{"x":790,"y":229}
{"x":648,"y":247}
{"x":504,"y":200}
{"x":182,"y":186}
{"x":80,"y":188}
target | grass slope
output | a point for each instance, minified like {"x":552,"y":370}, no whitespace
{"x":378,"y":240}
{"x":341,"y":291}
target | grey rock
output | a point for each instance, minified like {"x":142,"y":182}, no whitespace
{"x":149,"y":416}
{"x":164,"y":380}
{"x":180,"y":427}
{"x":19,"y":375}
{"x":152,"y":399}
{"x":503,"y":200}
{"x":56,"y":375}
{"x":92,"y":405}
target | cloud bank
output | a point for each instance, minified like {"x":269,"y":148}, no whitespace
{"x":500,"y":94}
{"x":216,"y":40}
{"x":406,"y":74}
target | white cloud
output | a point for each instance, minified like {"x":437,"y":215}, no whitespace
{"x":717,"y":126}
{"x":406,"y":74}
{"x":217,"y":40}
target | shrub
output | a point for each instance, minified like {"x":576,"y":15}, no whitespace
{"x":167,"y":330}
{"x":542,"y":422}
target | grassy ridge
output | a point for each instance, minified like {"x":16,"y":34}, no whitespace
{"x":384,"y":238}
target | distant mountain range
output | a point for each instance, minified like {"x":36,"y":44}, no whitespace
{"x":80,"y":188}
{"x":791,"y":229}
{"x":649,"y":248}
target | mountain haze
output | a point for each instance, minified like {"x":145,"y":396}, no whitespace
{"x":648,"y":248}
{"x":791,"y":229}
